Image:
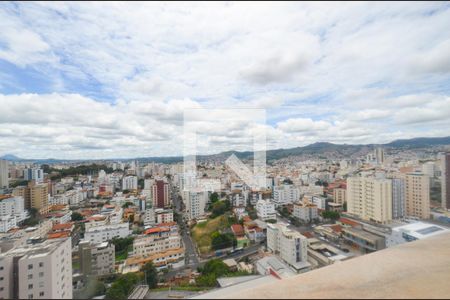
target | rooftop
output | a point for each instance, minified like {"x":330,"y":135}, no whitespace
{"x":418,"y":269}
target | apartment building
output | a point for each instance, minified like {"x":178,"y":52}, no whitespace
{"x":417,"y":195}
{"x":398,"y":198}
{"x":163,"y":215}
{"x":195,"y":202}
{"x":289,"y":245}
{"x":104,"y":233}
{"x":13,"y":206}
{"x":41,"y":270}
{"x":35,"y":174}
{"x":158,"y":239}
{"x":340,"y":195}
{"x":160,"y":193}
{"x":285,"y":194}
{"x":130,"y":183}
{"x":370,"y":198}
{"x":305,"y":212}
{"x":445,"y":180}
{"x":35,"y":196}
{"x":265,"y":210}
{"x":4,"y":171}
{"x":96,"y":259}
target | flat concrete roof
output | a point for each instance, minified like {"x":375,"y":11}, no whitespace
{"x":419,"y":269}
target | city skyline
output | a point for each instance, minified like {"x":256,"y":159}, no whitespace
{"x":81,"y":81}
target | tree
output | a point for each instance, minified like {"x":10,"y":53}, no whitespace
{"x":121,"y":244}
{"x":222,"y":240}
{"x":214,"y":197}
{"x":151,"y":274}
{"x":344,"y":206}
{"x":33,"y":212}
{"x":287,"y":181}
{"x":331,"y":215}
{"x":213,"y":269}
{"x":122,"y":287}
{"x":76,"y":216}
{"x":127,"y":204}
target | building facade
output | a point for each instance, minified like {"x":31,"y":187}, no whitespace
{"x":445,"y":180}
{"x":42,"y":270}
{"x":370,"y":198}
{"x":417,"y":195}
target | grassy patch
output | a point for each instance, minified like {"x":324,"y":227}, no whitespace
{"x":122,"y":255}
{"x":201,"y":233}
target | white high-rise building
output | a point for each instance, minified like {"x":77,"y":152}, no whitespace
{"x":370,"y":198}
{"x":130,"y":183}
{"x":41,"y":270}
{"x":265,"y":210}
{"x":305,"y":212}
{"x":379,"y":155}
{"x":289,"y":245}
{"x":104,"y":233}
{"x":34,"y":174}
{"x":285,"y":194}
{"x":428,"y":168}
{"x":4,"y":181}
{"x":195,"y":203}
{"x":13,"y":206}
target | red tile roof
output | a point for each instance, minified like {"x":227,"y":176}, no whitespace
{"x":156,"y":230}
{"x":57,"y":235}
{"x":336,"y":228}
{"x":348,"y":222}
{"x":237,"y":229}
{"x":64,"y":226}
{"x":308,"y":234}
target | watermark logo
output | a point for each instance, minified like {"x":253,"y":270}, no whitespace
{"x":221,"y":130}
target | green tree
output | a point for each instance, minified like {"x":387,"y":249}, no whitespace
{"x":151,"y":274}
{"x":76,"y":216}
{"x":331,"y":215}
{"x":127,"y":204}
{"x":214,"y":197}
{"x":222,"y":240}
{"x":213,"y":269}
{"x":122,"y":287}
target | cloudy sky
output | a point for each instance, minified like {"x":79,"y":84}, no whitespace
{"x":102,"y":80}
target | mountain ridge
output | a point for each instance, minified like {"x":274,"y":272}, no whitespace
{"x":315,"y":148}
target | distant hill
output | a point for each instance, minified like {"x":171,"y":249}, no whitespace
{"x":319,"y":148}
{"x":419,"y":142}
{"x":10,"y":157}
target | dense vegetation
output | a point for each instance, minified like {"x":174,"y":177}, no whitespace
{"x":331,"y":215}
{"x":222,"y":240}
{"x":214,"y":269}
{"x":72,"y":171}
{"x":122,"y":246}
{"x":122,"y":287}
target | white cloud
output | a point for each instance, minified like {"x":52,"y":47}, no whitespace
{"x":347,"y":72}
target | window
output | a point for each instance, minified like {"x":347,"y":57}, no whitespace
{"x":41,"y":274}
{"x":41,"y":264}
{"x":41,"y":294}
{"x":1,"y":268}
{"x":1,"y":278}
{"x":41,"y":284}
{"x":30,"y":296}
{"x":30,"y":267}
{"x":30,"y":276}
{"x":30,"y":286}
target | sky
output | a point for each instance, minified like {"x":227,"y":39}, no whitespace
{"x":115,"y":80}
